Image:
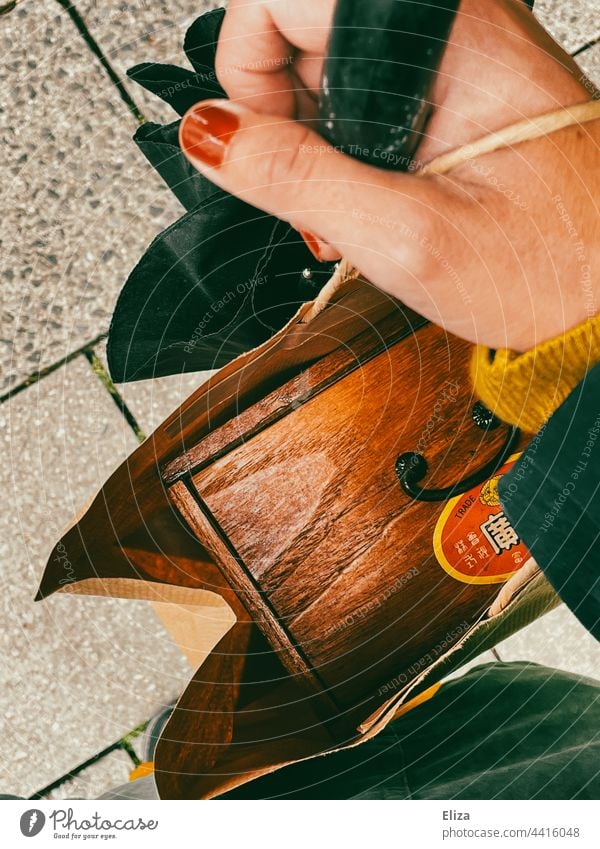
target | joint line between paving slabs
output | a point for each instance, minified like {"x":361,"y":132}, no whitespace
{"x":36,"y":376}
{"x":124,"y":745}
{"x":95,"y":48}
{"x":106,"y":381}
{"x":587,"y":46}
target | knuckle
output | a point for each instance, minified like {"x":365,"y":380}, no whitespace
{"x":412,"y":258}
{"x":411,"y":248}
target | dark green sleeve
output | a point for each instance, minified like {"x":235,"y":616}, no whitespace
{"x":552,"y":498}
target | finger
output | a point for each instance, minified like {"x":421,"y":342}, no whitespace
{"x":265,"y":48}
{"x":254,"y":60}
{"x":308,"y":68}
{"x":375,"y":218}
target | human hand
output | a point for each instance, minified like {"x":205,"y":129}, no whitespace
{"x":503,"y":250}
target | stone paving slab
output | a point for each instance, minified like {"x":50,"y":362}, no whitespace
{"x":557,"y":640}
{"x":572,"y":23}
{"x":589,"y":62}
{"x":112,"y":771}
{"x":151,"y":401}
{"x":77,"y":672}
{"x":80,"y":204}
{"x":143,"y":31}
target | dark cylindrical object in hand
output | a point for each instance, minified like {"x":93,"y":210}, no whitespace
{"x":378,"y":75}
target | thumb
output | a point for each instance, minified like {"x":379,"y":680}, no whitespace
{"x":371,"y":216}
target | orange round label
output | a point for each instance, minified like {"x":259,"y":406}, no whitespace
{"x":474,"y":540}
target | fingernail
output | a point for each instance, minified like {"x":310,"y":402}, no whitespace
{"x":312,"y":244}
{"x":205,"y":132}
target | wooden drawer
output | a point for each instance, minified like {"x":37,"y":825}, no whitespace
{"x":300,"y":496}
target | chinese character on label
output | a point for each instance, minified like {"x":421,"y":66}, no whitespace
{"x":460,"y":546}
{"x":474,"y":540}
{"x":500,"y":533}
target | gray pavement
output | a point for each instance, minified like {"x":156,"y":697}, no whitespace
{"x":77,"y":672}
{"x":79,"y":207}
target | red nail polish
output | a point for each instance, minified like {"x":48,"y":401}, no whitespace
{"x":205,"y":132}
{"x":312,"y":243}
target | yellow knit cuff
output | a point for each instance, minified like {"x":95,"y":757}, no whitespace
{"x":525,"y":389}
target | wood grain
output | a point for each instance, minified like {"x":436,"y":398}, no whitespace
{"x":132,"y":513}
{"x":313,"y":508}
{"x":314,"y":379}
{"x":249,"y":593}
{"x":133,"y":539}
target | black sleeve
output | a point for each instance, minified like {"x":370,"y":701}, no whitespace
{"x":552,"y":498}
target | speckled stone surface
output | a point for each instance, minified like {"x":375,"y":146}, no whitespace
{"x":557,"y":640}
{"x":573,"y":23}
{"x":151,"y":401}
{"x":109,"y":772}
{"x":80,"y":204}
{"x":76,"y":673}
{"x":143,"y":31}
{"x":589,"y":62}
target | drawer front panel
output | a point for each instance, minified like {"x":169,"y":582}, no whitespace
{"x":313,"y":508}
